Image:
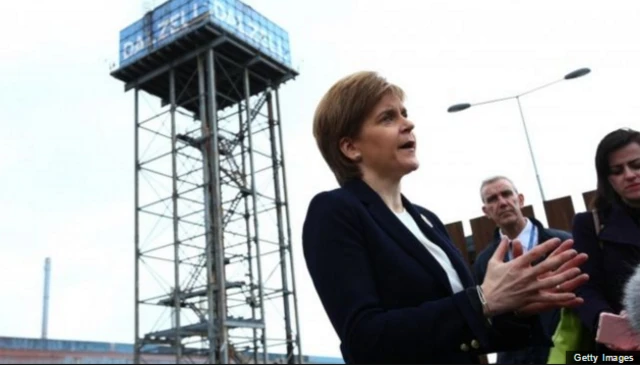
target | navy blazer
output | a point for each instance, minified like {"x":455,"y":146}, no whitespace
{"x":386,"y":296}
{"x":609,"y":266}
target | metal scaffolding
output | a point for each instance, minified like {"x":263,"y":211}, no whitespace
{"x":214,"y":278}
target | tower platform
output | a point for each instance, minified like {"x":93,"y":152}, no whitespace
{"x":173,"y":34}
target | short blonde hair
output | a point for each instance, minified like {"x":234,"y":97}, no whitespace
{"x":342,"y":112}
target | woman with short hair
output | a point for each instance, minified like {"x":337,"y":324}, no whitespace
{"x":395,"y":288}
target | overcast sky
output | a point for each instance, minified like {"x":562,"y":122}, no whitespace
{"x":66,"y":147}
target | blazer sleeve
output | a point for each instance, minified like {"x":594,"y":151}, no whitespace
{"x":336,"y":256}
{"x":586,"y":240}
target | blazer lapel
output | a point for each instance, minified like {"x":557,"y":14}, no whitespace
{"x":392,"y":225}
{"x":443,"y":242}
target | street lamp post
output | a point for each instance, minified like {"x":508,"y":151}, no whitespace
{"x":570,"y":76}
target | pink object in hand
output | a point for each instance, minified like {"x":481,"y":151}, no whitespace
{"x":615,"y":330}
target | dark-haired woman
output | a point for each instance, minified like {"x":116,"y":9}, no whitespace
{"x":610,"y":232}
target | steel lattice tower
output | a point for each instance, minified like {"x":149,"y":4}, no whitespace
{"x":214,"y":278}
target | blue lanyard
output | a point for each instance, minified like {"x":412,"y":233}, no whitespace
{"x":532,"y":237}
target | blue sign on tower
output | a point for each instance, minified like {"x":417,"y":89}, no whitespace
{"x":177,"y":18}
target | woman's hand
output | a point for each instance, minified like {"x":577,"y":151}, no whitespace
{"x":519,"y":285}
{"x":569,"y":286}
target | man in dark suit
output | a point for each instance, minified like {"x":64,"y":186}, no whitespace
{"x":503,"y":205}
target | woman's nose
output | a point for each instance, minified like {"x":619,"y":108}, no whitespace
{"x":629,"y":173}
{"x":408,"y":125}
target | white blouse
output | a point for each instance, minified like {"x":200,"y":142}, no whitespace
{"x":435,"y":250}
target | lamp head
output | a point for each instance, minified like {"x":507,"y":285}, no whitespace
{"x":458,"y":107}
{"x":577,"y":73}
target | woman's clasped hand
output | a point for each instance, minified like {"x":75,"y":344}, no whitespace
{"x":535,"y":281}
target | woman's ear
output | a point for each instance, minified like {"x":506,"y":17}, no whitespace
{"x":350,"y":150}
